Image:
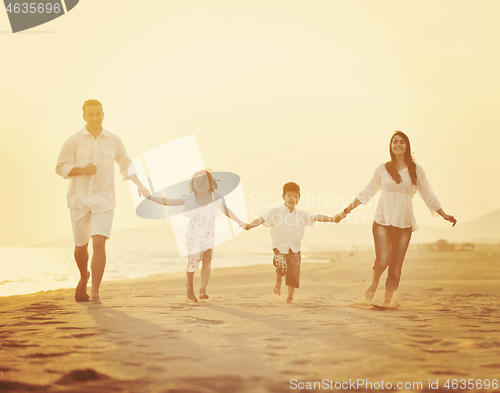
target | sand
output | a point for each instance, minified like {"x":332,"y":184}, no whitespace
{"x":145,"y":337}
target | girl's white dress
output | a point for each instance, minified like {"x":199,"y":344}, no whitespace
{"x":200,"y":235}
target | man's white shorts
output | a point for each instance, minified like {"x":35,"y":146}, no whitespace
{"x":87,"y":224}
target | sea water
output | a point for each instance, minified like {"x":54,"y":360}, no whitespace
{"x":26,"y":270}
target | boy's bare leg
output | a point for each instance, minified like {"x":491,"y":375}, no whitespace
{"x":97,"y":265}
{"x":277,"y":286}
{"x":291,"y":291}
{"x":189,"y":286}
{"x":82,"y":259}
{"x":206,"y":269}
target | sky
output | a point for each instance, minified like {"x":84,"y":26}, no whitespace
{"x":275,"y":91}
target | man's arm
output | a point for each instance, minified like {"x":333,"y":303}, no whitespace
{"x":66,"y":161}
{"x":89,"y":170}
{"x":127,"y":169}
{"x":143,"y":191}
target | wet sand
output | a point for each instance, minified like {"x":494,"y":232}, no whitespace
{"x":145,"y":337}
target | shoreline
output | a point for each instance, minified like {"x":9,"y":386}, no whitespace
{"x":146,"y":337}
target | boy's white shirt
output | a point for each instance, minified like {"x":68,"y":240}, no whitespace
{"x":287,"y":228}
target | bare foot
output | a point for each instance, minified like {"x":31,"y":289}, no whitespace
{"x":203,"y":294}
{"x":190,"y":293}
{"x":289,"y":299}
{"x":277,"y":288}
{"x":370,"y":292}
{"x":81,"y":289}
{"x":388,"y":298}
{"x":94,"y":298}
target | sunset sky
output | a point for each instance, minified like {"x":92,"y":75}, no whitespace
{"x":275,"y":91}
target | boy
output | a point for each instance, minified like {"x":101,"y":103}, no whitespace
{"x":287,"y":230}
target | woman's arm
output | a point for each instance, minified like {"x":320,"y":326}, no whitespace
{"x":427,"y":193}
{"x":364,"y":196}
{"x":340,"y":216}
{"x":166,"y":202}
{"x":447,"y":217}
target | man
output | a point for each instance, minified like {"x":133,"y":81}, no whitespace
{"x":87,"y":158}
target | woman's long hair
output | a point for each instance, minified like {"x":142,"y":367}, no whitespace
{"x":391,"y":165}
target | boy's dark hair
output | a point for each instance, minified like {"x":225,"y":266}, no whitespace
{"x":91,"y":103}
{"x":291,"y":187}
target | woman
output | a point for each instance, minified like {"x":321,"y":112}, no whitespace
{"x":399,"y":179}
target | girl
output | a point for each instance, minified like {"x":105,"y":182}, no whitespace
{"x":202,"y":206}
{"x":399,"y":179}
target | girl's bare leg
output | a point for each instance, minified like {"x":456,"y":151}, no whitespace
{"x":206,"y":269}
{"x":189,"y":286}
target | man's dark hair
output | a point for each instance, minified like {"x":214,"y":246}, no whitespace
{"x":91,"y":103}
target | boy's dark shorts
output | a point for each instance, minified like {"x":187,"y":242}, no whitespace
{"x":288,"y":265}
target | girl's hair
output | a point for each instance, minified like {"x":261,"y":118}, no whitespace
{"x":391,"y":165}
{"x":212,"y":182}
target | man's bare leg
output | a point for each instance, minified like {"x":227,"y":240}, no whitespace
{"x":189,"y":286}
{"x":291,"y":291}
{"x":277,"y":286}
{"x":97,"y":265}
{"x":206,"y":269}
{"x":82,"y":259}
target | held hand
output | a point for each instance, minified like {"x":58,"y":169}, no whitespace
{"x":339,"y":217}
{"x":143,"y":191}
{"x":89,"y":170}
{"x":243,"y":225}
{"x":451,"y":219}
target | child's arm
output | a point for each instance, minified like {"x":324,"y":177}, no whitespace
{"x":322,"y":218}
{"x":255,"y":223}
{"x":229,"y":213}
{"x":165,"y":201}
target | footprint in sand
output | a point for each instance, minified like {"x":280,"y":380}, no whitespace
{"x":135,"y":364}
{"x":204,"y":321}
{"x":426,"y":342}
{"x":70,"y":328}
{"x":16,"y":344}
{"x":447,"y":372}
{"x":46,"y":355}
{"x":82,"y":335}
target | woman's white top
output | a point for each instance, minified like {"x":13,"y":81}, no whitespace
{"x":395,"y":206}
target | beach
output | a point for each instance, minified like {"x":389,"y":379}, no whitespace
{"x":145,"y":337}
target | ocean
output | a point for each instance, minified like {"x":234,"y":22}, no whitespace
{"x":29,"y":270}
